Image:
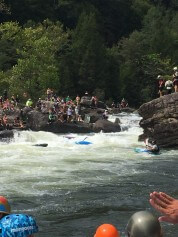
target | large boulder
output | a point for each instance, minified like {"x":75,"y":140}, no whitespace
{"x":86,"y":101}
{"x":38,"y":121}
{"x":106,"y":126}
{"x":160,"y":120}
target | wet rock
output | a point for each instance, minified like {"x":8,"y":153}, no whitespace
{"x":160,"y":120}
{"x":106,"y":126}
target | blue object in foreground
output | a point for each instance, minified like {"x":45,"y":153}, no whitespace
{"x":17,"y":225}
{"x":83,"y":143}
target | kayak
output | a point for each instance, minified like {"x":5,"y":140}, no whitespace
{"x":83,"y":143}
{"x":42,"y":144}
{"x":140,"y":150}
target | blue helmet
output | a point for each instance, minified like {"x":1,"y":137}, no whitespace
{"x":17,"y":225}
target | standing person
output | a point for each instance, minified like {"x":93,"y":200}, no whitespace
{"x":107,"y":230}
{"x":161,"y":85}
{"x":168,"y":86}
{"x":77,"y":99}
{"x":175,"y":81}
{"x":166,"y":205}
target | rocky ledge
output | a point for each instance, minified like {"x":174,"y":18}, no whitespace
{"x":160,"y":120}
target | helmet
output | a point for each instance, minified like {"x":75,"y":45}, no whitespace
{"x":143,"y":224}
{"x":18,"y":225}
{"x":4,"y":205}
{"x":106,"y":230}
{"x":153,"y":142}
{"x":175,"y":68}
{"x":159,"y":77}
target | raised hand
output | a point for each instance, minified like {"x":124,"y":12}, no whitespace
{"x":166,"y":205}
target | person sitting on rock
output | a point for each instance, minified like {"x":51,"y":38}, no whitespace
{"x":16,"y":122}
{"x":124,"y":103}
{"x":51,"y":117}
{"x":105,"y":114}
{"x":29,"y":103}
{"x":6,"y":122}
{"x":69,"y":114}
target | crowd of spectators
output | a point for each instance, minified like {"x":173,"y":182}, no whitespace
{"x":168,"y":86}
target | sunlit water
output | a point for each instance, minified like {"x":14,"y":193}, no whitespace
{"x":71,"y":189}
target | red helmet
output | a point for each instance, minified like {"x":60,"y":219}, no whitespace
{"x":106,"y":230}
{"x":4,"y":205}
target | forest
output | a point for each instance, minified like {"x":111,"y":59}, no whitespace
{"x":110,"y":48}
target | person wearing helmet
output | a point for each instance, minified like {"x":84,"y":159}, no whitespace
{"x":161,"y":85}
{"x":143,"y":224}
{"x":152,"y":146}
{"x":5,"y":208}
{"x":107,"y":230}
{"x":166,"y":205}
{"x":18,"y":225}
{"x":168,"y":86}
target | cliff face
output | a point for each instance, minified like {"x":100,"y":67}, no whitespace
{"x":160,"y":120}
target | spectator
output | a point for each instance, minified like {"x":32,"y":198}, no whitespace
{"x":29,"y":103}
{"x":161,"y":85}
{"x":168,"y":86}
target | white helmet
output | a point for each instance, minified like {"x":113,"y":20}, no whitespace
{"x":159,"y":76}
{"x":175,"y":68}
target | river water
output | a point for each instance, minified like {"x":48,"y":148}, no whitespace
{"x":71,"y":189}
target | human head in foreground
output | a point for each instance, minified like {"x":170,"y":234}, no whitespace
{"x":4,"y":207}
{"x":107,"y":230}
{"x":143,"y":224}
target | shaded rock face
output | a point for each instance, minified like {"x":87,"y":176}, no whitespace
{"x":106,"y":126}
{"x":160,"y":120}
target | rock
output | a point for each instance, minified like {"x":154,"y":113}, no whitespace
{"x":6,"y":134}
{"x":38,"y":121}
{"x":117,"y":121}
{"x":106,"y":126}
{"x":127,"y":110}
{"x":86,"y":101}
{"x":160,"y":120}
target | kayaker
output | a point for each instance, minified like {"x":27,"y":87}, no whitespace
{"x":143,"y":224}
{"x":106,"y":230}
{"x":152,"y":146}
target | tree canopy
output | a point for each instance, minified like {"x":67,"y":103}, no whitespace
{"x":113,"y":48}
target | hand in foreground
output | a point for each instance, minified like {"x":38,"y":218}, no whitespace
{"x":165,"y":204}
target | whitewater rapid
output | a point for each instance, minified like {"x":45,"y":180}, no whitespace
{"x":65,"y":183}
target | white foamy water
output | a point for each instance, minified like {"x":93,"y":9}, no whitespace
{"x":51,"y":180}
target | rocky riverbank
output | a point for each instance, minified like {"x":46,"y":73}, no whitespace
{"x":38,"y":120}
{"x":160,"y":120}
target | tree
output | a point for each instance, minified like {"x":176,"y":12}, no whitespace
{"x":36,"y":68}
{"x":88,"y":54}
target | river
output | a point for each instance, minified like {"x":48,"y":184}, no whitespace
{"x":71,"y":189}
